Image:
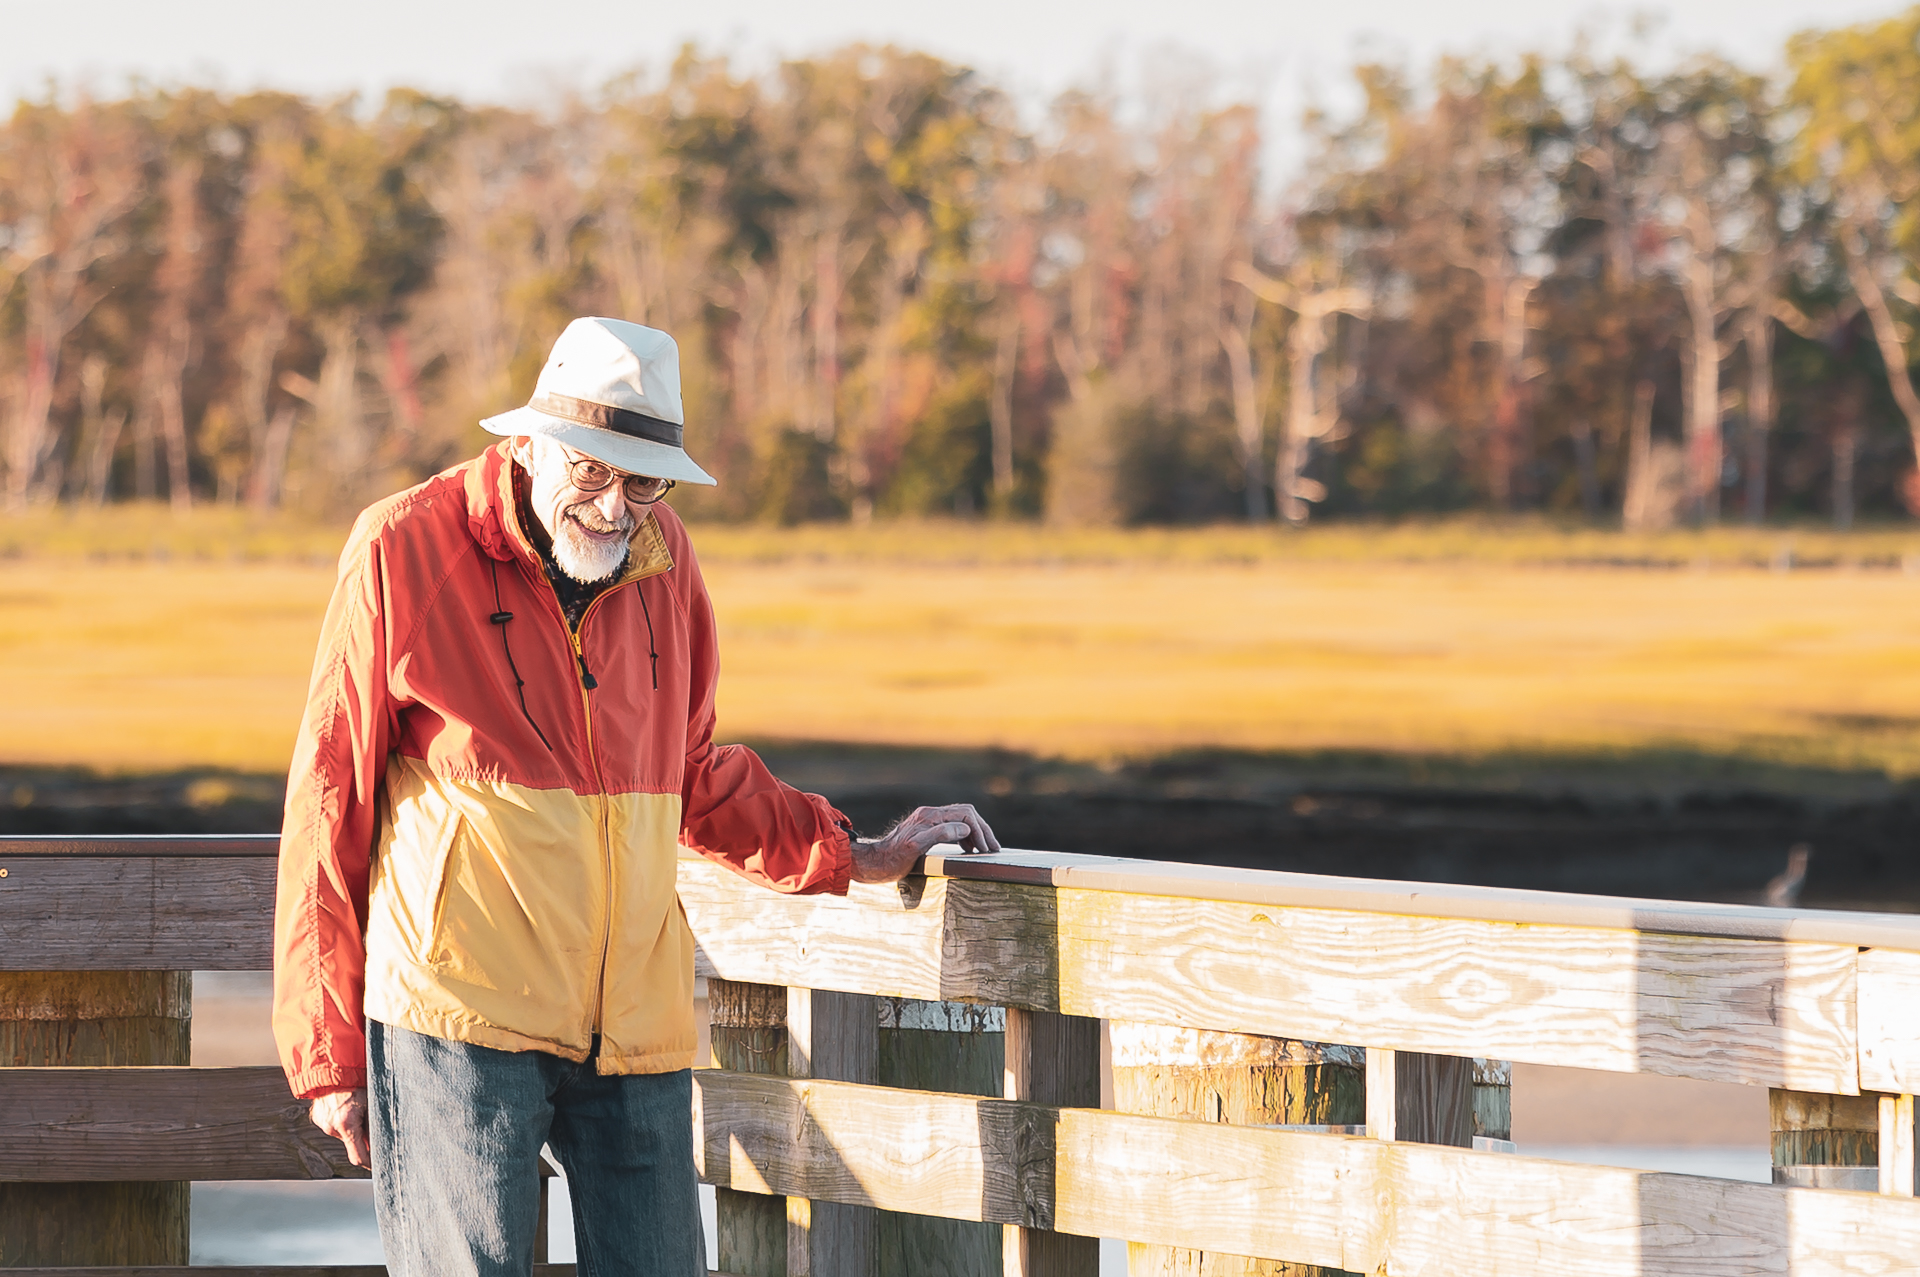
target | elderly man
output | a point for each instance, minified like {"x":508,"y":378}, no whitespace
{"x":478,"y":947}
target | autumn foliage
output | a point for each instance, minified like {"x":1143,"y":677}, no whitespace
{"x":1556,"y":283}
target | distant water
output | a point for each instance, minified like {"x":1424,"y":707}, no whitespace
{"x":331,"y":1222}
{"x":1755,"y":1164}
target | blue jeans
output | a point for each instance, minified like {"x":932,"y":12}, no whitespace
{"x":457,"y":1131}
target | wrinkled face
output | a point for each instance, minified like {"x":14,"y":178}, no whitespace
{"x":589,"y":529}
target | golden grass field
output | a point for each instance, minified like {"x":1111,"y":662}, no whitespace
{"x":133,"y":640}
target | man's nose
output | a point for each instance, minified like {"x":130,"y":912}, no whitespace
{"x":611,"y":501}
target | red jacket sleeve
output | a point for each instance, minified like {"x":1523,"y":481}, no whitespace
{"x":326,"y":841}
{"x":733,"y":809}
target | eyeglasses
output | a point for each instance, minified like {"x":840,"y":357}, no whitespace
{"x":588,"y":475}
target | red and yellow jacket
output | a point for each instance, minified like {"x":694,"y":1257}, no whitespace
{"x":458,"y":866}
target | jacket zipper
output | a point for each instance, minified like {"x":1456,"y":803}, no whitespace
{"x":587,"y":684}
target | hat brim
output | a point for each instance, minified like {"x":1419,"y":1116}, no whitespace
{"x":622,"y":452}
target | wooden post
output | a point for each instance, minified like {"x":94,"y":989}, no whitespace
{"x":1493,"y":1105}
{"x":1243,"y":1080}
{"x":1420,"y":1099}
{"x":94,"y":1018}
{"x":1826,"y":1141}
{"x":940,"y":1046}
{"x":1055,"y":1060}
{"x":768,"y":1029}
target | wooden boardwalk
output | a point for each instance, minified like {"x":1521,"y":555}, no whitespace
{"x":808,"y":1147}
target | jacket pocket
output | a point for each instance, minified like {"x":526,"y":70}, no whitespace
{"x":512,"y":915}
{"x":409,"y":874}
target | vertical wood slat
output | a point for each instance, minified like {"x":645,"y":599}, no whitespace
{"x":749,"y":1035}
{"x":802,"y":1033}
{"x":1898,"y":1145}
{"x":834,"y":1037}
{"x":930,"y":1045}
{"x":1420,"y":1099}
{"x":94,"y":1018}
{"x":1054,"y":1060}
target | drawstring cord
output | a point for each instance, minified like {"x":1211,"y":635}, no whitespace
{"x":500,"y":618}
{"x":653,"y":653}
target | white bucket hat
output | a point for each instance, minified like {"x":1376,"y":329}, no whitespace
{"x":611,"y":389}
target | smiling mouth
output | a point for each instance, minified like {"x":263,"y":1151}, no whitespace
{"x":598,"y":534}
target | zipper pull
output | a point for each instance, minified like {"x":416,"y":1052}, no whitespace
{"x":587,"y":680}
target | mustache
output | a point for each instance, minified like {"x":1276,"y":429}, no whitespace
{"x":591,"y":519}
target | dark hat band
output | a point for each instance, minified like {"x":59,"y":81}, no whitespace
{"x":637,"y":425}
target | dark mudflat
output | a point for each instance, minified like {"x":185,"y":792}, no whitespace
{"x":1671,"y":824}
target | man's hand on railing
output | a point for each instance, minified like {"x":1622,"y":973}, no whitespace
{"x":343,"y":1115}
{"x":889,"y":857}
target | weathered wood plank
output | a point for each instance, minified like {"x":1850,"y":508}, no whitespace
{"x":1054,"y":1060}
{"x":1429,"y":899}
{"x":1338,"y":1201}
{"x":76,"y":1125}
{"x":1889,"y":1029}
{"x":1756,"y":1011}
{"x":747,"y":1028}
{"x":1763,"y":1012}
{"x":69,"y":1019}
{"x":124,"y":845}
{"x":876,"y":939}
{"x":137,"y":913}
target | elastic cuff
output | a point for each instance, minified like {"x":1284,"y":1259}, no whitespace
{"x":843,"y":863}
{"x":310,"y":1084}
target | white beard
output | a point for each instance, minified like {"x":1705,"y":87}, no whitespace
{"x":580,"y":556}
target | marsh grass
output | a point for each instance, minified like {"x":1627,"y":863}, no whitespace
{"x":228,"y":534}
{"x":135,"y":640}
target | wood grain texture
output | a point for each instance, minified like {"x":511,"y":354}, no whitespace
{"x":139,"y":913}
{"x":1762,"y":1012}
{"x":1429,"y":899}
{"x":1238,"y":1079}
{"x":72,"y":1125}
{"x":1054,"y":1060}
{"x":1889,"y":1029}
{"x":834,"y":1036}
{"x":1337,"y":1201}
{"x":1899,"y":1150}
{"x":1810,"y":1129}
{"x":1433,"y":1100}
{"x":120,"y":846}
{"x":63,"y":1019}
{"x":748,"y":1033}
{"x":1754,"y":1011}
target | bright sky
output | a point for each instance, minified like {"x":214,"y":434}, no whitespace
{"x":1281,"y":52}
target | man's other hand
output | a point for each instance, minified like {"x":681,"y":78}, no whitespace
{"x":888,"y":858}
{"x":343,"y":1115}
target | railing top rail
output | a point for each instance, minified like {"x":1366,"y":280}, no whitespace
{"x":1249,"y":886}
{"x":168,"y":846}
{"x":1432,"y":900}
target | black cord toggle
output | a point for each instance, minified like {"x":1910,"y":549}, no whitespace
{"x":500,"y":618}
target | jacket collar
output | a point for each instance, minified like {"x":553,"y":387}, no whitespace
{"x":492,"y":517}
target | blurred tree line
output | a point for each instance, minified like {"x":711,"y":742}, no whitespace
{"x":1554,"y":283}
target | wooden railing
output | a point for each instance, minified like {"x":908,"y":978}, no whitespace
{"x":823,"y":1169}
